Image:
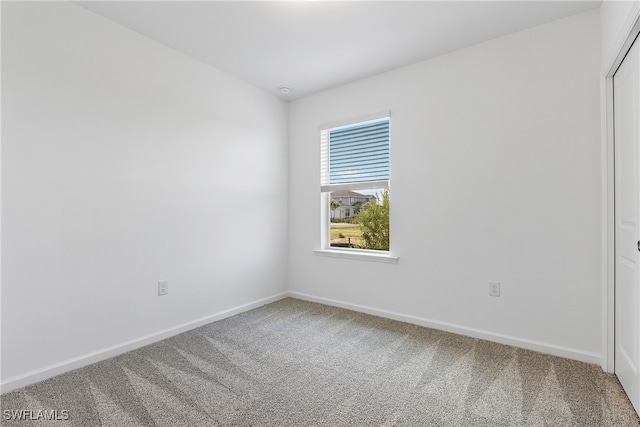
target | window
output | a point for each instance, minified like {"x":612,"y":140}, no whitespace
{"x":355,"y":183}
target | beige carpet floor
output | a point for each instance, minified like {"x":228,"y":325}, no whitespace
{"x":296,"y":363}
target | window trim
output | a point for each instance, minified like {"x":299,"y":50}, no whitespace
{"x":355,"y":120}
{"x":358,"y":254}
{"x":325,"y":218}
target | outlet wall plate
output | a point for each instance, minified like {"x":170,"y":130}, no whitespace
{"x":494,"y":288}
{"x":163,"y":287}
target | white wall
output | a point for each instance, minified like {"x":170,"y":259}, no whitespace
{"x":495,"y":176}
{"x":124,"y":163}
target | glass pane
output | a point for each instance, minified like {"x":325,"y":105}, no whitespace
{"x":360,"y":219}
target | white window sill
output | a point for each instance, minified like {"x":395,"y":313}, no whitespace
{"x":358,"y":255}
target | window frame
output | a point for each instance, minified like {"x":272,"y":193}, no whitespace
{"x":325,"y":218}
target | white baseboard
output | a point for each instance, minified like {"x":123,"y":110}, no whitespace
{"x":106,"y":353}
{"x":555,"y":350}
{"x":50,"y":371}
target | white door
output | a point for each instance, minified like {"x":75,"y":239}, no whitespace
{"x":626,"y":84}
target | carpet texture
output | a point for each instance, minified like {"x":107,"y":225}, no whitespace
{"x":296,"y":363}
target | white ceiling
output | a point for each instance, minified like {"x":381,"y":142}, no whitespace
{"x":310,"y":46}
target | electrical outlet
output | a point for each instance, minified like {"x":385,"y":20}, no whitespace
{"x":494,"y":289}
{"x":163,"y":287}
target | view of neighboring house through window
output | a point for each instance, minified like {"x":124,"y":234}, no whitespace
{"x":355,"y":182}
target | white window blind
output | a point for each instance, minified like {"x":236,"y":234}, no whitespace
{"x":355,"y":156}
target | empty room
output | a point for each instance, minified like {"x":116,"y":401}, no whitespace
{"x":320,"y":213}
